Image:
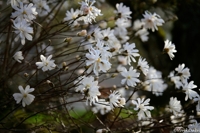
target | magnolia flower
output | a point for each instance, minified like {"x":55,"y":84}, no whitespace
{"x":183,"y":73}
{"x":154,"y":82}
{"x":18,"y":56}
{"x":24,"y":95}
{"x":102,"y":107}
{"x":89,"y":11}
{"x":129,"y":52}
{"x":42,"y":7}
{"x":108,"y":37}
{"x":176,"y":80}
{"x":46,"y":64}
{"x":187,"y":87}
{"x":27,"y":12}
{"x":96,"y":62}
{"x":143,"y":34}
{"x":116,"y":100}
{"x":175,"y":106}
{"x":143,"y":65}
{"x":23,"y":30}
{"x":131,"y":77}
{"x":142,"y":106}
{"x":72,"y":16}
{"x":103,"y":49}
{"x":169,"y":48}
{"x":88,"y":87}
{"x":151,"y":21}
{"x":123,"y":11}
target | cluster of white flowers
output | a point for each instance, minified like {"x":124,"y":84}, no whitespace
{"x":154,"y":82}
{"x":150,"y":21}
{"x":87,"y":13}
{"x":180,"y":79}
{"x":96,"y":53}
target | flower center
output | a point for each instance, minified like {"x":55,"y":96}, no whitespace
{"x":128,"y":77}
{"x":99,"y":60}
{"x":25,"y":95}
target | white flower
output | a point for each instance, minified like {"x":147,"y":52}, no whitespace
{"x":123,"y":11}
{"x":108,"y":37}
{"x":89,"y":11}
{"x":184,"y":73}
{"x":143,"y":34}
{"x":137,"y":25}
{"x":188,"y":90}
{"x":154,"y":82}
{"x":169,"y":48}
{"x":116,"y":100}
{"x":41,"y":7}
{"x":102,"y":107}
{"x":27,"y":12}
{"x":96,"y":62}
{"x":129,"y":52}
{"x":89,"y":88}
{"x":18,"y":56}
{"x":96,"y":35}
{"x":72,"y":16}
{"x":24,"y":96}
{"x":103,"y":49}
{"x":143,"y":108}
{"x":46,"y":64}
{"x":176,"y":80}
{"x":122,"y":23}
{"x":23,"y":30}
{"x":175,"y":106}
{"x":131,"y":77}
{"x":143,"y":66}
{"x":121,"y":34}
{"x":151,"y":21}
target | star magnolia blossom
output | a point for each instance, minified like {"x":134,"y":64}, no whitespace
{"x":151,"y":21}
{"x":169,"y":48}
{"x":188,"y":90}
{"x":131,"y":77}
{"x":72,"y":16}
{"x":18,"y":56}
{"x":123,"y":11}
{"x":42,"y":7}
{"x":154,"y":82}
{"x":46,"y":64}
{"x":102,"y":107}
{"x":116,"y":100}
{"x":23,"y":30}
{"x":143,"y":65}
{"x":142,"y":106}
{"x":96,"y":62}
{"x":129,"y":52}
{"x":27,"y":12}
{"x":183,"y":73}
{"x":89,"y":88}
{"x":89,"y":11}
{"x":176,"y":80}
{"x":175,"y":106}
{"x":24,"y":96}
